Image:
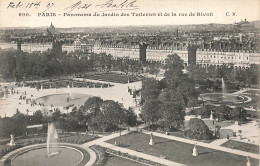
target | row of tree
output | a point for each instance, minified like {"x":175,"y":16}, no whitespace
{"x":22,"y":65}
{"x":95,"y":115}
{"x":231,"y":75}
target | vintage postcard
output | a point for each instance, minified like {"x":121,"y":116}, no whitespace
{"x":129,"y":82}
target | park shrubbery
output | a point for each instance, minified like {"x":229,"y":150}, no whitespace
{"x":103,"y":155}
{"x":198,"y":130}
{"x":221,"y":112}
{"x":204,"y":111}
{"x":6,"y":148}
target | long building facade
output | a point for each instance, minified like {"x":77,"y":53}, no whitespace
{"x":236,"y":51}
{"x":204,"y":57}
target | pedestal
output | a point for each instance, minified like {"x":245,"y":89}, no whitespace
{"x":12,"y":143}
{"x":151,"y":142}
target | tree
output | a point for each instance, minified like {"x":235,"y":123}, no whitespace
{"x":172,"y":115}
{"x":173,"y":70}
{"x":56,"y":115}
{"x":198,"y":130}
{"x":188,"y":92}
{"x":211,"y":72}
{"x":37,"y":117}
{"x":205,"y":111}
{"x":113,"y":115}
{"x":238,"y":114}
{"x":131,"y":117}
{"x":223,"y":112}
{"x":150,"y":89}
{"x":154,"y":68}
{"x":223,"y":71}
{"x":80,"y":115}
{"x":151,"y":111}
{"x":104,"y":115}
{"x":240,"y":75}
{"x":92,"y":105}
{"x":7,"y":127}
{"x":20,"y":123}
{"x":196,"y":72}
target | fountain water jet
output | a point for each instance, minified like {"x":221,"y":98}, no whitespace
{"x":223,"y":86}
{"x":52,"y":137}
{"x":69,"y":93}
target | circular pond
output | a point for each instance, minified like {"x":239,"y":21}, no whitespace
{"x":227,"y":98}
{"x":63,"y":99}
{"x":38,"y":156}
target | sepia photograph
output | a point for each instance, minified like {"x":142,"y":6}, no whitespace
{"x":129,"y":82}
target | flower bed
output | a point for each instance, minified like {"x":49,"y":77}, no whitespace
{"x":103,"y":152}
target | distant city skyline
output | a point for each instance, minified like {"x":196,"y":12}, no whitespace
{"x":108,"y":26}
{"x":220,"y":9}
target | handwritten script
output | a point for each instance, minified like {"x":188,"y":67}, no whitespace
{"x":76,"y":6}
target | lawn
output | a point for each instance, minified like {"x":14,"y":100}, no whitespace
{"x":252,"y":148}
{"x":252,"y":91}
{"x":180,"y":152}
{"x":110,"y":77}
{"x":254,"y":103}
{"x":180,"y":134}
{"x":119,"y":161}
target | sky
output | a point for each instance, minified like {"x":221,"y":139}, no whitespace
{"x":220,"y":11}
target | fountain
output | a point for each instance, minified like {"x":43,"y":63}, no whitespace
{"x":52,"y":140}
{"x":69,"y":93}
{"x":57,"y":154}
{"x":223,"y":86}
{"x":224,"y":97}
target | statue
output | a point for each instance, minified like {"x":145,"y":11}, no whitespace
{"x":12,"y":140}
{"x":211,"y":116}
{"x":248,"y":161}
{"x":151,"y":139}
{"x":195,"y":153}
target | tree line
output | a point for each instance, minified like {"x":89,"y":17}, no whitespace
{"x":22,"y":65}
{"x":95,"y":115}
{"x":235,"y":78}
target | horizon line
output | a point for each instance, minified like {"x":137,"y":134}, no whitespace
{"x":106,"y":26}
